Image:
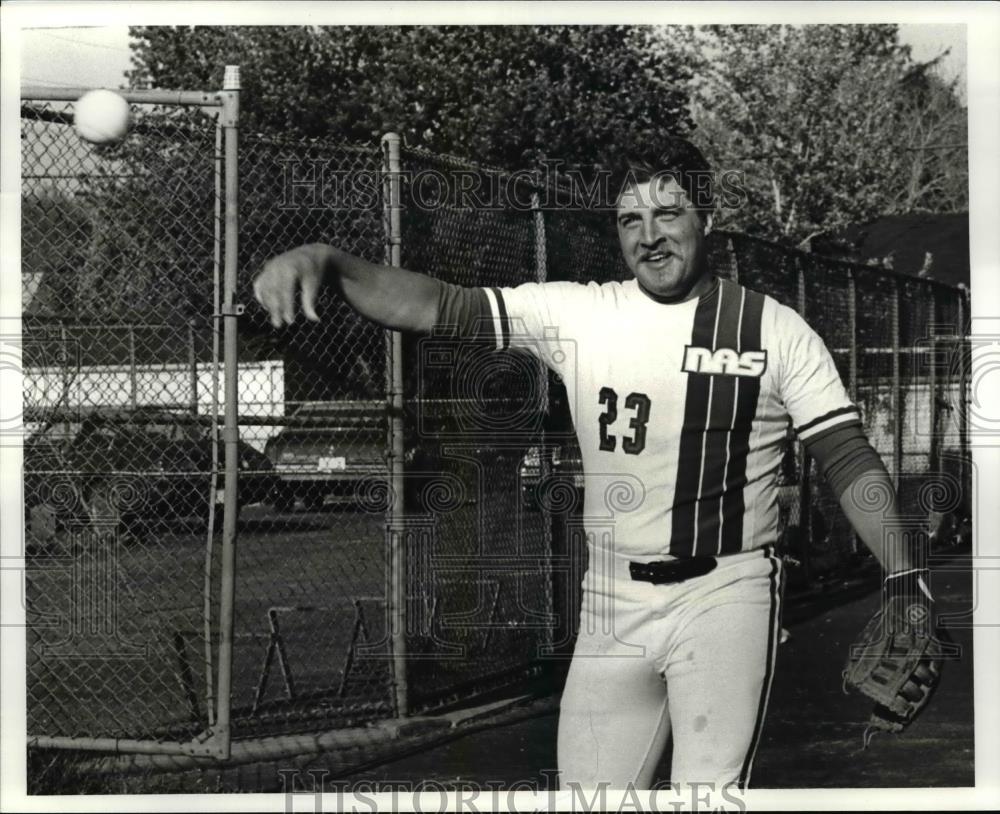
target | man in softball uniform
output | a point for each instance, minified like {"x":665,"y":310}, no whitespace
{"x":680,"y":387}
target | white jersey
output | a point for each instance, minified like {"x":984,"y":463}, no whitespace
{"x":680,"y":409}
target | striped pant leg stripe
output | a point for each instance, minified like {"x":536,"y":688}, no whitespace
{"x":773,"y":638}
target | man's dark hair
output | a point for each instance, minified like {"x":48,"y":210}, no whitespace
{"x":675,"y":158}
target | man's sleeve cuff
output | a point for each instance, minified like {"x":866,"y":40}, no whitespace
{"x":471,"y":312}
{"x":843,"y":453}
{"x":815,"y":428}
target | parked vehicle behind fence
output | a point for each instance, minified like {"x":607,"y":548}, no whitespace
{"x":133,"y":466}
{"x":325,"y":455}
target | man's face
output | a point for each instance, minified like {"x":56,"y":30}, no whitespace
{"x":663,"y":239}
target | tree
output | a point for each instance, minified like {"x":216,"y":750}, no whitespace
{"x":826,"y":125}
{"x":503,"y":95}
{"x":936,"y":161}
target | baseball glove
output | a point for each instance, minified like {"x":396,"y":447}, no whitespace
{"x":897,"y":659}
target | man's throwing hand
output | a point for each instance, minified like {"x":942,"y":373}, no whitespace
{"x":279,"y":279}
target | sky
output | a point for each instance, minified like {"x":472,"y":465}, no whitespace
{"x":76,"y":57}
{"x":99,"y":57}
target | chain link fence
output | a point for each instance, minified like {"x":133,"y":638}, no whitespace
{"x":310,"y":649}
{"x":409,"y":532}
{"x":896,"y":342}
{"x":480,"y":604}
{"x":122,"y":462}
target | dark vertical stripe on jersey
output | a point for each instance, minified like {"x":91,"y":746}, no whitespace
{"x":720,"y":421}
{"x":773,"y":639}
{"x":689,"y":457}
{"x":733,"y":503}
{"x":504,"y":320}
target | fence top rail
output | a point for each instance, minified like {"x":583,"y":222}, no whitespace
{"x":255,"y":139}
{"x":832,"y":263}
{"x":54,"y":320}
{"x":198,"y":98}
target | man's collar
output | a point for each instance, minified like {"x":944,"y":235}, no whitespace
{"x":680,"y":298}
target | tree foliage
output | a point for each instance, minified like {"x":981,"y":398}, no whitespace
{"x":505,"y":95}
{"x":826,"y":124}
{"x":936,"y":170}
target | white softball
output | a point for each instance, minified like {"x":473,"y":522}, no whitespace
{"x":101,"y":116}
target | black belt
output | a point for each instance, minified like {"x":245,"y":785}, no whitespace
{"x":664,"y":572}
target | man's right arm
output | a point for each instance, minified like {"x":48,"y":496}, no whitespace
{"x":523,"y":317}
{"x":392,"y":297}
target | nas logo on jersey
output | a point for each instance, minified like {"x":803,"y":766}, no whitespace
{"x":724,"y":361}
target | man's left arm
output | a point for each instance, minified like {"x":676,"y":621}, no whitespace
{"x":829,"y":425}
{"x":896,"y":661}
{"x":858,"y":477}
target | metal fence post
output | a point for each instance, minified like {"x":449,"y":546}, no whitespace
{"x":852,"y":363}
{"x":66,"y":379}
{"x":852,"y":328}
{"x":932,"y":382}
{"x":897,"y":397}
{"x":133,"y":384}
{"x":230,"y":312}
{"x":541,"y":275}
{"x":734,"y":261}
{"x":219,"y":164}
{"x":964,"y":473}
{"x":396,"y":538}
{"x":800,"y":277}
{"x":193,"y":362}
{"x":805,"y":486}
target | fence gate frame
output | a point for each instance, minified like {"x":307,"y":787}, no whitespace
{"x":396,"y":537}
{"x":215,"y":741}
